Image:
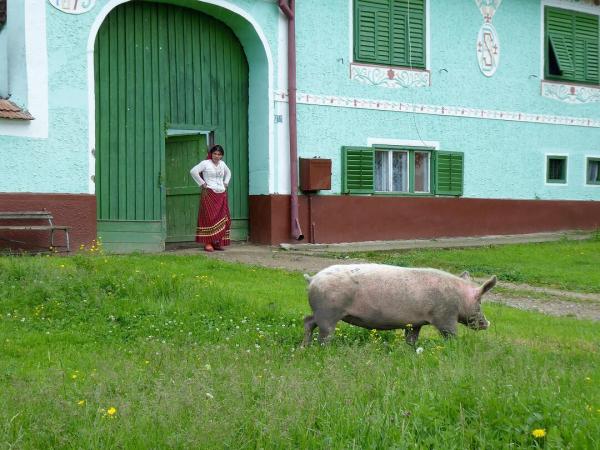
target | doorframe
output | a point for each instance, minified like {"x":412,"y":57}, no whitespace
{"x":176,"y":130}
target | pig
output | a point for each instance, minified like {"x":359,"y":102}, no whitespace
{"x":382,"y":297}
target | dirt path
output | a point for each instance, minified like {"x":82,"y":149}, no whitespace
{"x":545,"y":300}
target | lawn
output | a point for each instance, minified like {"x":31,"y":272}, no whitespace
{"x":166,"y":351}
{"x":562,"y":264}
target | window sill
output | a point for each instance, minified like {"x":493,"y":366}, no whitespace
{"x":569,"y":92}
{"x":404,"y":194}
{"x":389,"y":77}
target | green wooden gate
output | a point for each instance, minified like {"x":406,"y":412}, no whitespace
{"x":162,"y":69}
{"x":183,"y":194}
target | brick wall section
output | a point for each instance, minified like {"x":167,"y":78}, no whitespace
{"x":366,"y":218}
{"x":75,"y":210}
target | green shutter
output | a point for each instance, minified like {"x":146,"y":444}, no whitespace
{"x":586,"y":48}
{"x":563,"y":54}
{"x":573,"y":37}
{"x":372,"y":31}
{"x":449,"y":169}
{"x":390,"y":32}
{"x":357,"y":170}
{"x":408,"y":33}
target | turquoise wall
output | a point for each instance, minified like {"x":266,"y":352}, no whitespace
{"x":502,"y":159}
{"x":60,"y":163}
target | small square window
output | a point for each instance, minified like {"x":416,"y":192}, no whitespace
{"x":556,"y":169}
{"x":593,"y":171}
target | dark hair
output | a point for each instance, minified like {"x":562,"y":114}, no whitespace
{"x":216,"y":148}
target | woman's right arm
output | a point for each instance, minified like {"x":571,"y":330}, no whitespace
{"x":195,"y":173}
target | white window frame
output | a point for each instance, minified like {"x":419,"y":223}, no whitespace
{"x":409,"y":145}
{"x":390,"y":164}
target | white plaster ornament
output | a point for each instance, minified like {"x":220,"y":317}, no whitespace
{"x":73,"y":6}
{"x":488,"y":43}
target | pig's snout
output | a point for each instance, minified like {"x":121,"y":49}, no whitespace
{"x":479,"y":323}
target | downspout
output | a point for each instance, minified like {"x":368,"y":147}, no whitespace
{"x":288,"y":8}
{"x":3,"y":51}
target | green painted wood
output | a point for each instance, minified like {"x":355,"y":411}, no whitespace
{"x":125,"y":236}
{"x":390,"y":32}
{"x":358,"y":170}
{"x":407,"y":46}
{"x":183,"y":194}
{"x":158,"y":64}
{"x":372,"y":31}
{"x":573,"y":39}
{"x":449,"y":173}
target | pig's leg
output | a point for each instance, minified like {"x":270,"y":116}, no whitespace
{"x":326,"y":327}
{"x":411,"y":335}
{"x":309,"y":326}
{"x":448,"y":329}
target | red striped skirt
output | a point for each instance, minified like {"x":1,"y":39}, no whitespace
{"x":214,"y":221}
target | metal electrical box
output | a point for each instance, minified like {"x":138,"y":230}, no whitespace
{"x":315,"y":174}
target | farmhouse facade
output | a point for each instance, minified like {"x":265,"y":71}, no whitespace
{"x":437,"y":118}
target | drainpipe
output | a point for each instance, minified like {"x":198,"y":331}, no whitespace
{"x":3,"y":51}
{"x":288,"y":8}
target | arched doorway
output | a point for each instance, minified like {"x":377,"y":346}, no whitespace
{"x":168,"y":82}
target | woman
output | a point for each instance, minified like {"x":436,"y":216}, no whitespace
{"x":213,"y":175}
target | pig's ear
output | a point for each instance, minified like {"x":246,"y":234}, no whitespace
{"x":487,"y":285}
{"x":465,"y":275}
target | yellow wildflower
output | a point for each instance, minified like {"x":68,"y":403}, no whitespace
{"x":81,"y":402}
{"x":538,"y":433}
{"x":111,"y":411}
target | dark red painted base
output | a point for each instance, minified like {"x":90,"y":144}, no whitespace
{"x":344,"y":218}
{"x":75,"y":210}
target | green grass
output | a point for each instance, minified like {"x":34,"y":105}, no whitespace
{"x":562,"y":264}
{"x":196,"y":353}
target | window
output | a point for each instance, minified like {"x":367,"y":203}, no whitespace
{"x":368,"y":170}
{"x":390,"y":32}
{"x":556,"y":169}
{"x":593,"y":171}
{"x":572,"y":43}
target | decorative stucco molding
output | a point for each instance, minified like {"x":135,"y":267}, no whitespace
{"x":571,"y":93}
{"x":438,"y":110}
{"x":389,"y":77}
{"x":488,"y":43}
{"x":73,"y":6}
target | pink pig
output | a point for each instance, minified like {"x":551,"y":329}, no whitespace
{"x":381,"y":297}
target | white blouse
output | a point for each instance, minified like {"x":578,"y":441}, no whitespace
{"x":215,"y":177}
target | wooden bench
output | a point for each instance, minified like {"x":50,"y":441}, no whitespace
{"x":34,"y":217}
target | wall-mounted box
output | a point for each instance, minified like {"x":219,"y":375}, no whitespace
{"x":315,"y":174}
